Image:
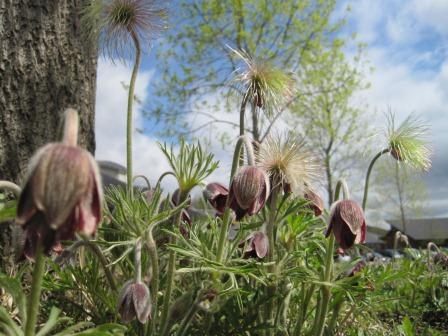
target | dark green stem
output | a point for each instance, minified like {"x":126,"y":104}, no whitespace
{"x":101,"y":258}
{"x":36,"y":287}
{"x":187,"y":319}
{"x":369,"y":171}
{"x":129,"y":129}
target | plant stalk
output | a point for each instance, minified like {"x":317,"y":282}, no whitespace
{"x":270,"y":290}
{"x":226,"y":217}
{"x":170,"y":273}
{"x":36,"y":288}
{"x":152,"y":249}
{"x":129,"y":129}
{"x":369,"y":171}
{"x":187,"y":319}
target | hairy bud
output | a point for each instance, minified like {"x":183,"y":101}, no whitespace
{"x":216,"y":194}
{"x":347,"y":223}
{"x":315,"y":202}
{"x":249,"y":191}
{"x":134,"y":302}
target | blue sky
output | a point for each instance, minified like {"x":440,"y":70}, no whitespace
{"x":407,"y":47}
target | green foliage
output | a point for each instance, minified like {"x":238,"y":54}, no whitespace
{"x":190,"y":165}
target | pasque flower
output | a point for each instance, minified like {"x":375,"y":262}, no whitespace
{"x":256,"y":245}
{"x":216,"y":194}
{"x":347,"y":223}
{"x":134,"y":301}
{"x":62,"y":193}
{"x":249,"y":191}
{"x":315,"y":202}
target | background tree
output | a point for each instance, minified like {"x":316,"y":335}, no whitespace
{"x":46,"y":65}
{"x":406,"y":192}
{"x":331,"y":120}
{"x":198,"y":64}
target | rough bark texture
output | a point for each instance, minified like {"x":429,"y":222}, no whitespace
{"x":46,"y":65}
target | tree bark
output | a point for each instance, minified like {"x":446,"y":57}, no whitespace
{"x":46,"y":65}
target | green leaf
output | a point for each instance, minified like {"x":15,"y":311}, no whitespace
{"x":52,"y":321}
{"x":13,"y":287}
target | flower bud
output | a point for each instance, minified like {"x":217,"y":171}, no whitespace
{"x":347,"y":223}
{"x":249,"y":191}
{"x":62,"y":195}
{"x":216,"y":194}
{"x":134,"y":302}
{"x":315,"y":202}
{"x":256,"y":245}
{"x":441,"y":259}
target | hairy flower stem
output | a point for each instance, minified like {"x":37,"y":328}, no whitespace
{"x":170,"y":272}
{"x":226,"y":217}
{"x":36,"y":287}
{"x":270,"y":290}
{"x":129,"y":129}
{"x":138,"y":261}
{"x":325,"y":291}
{"x":242,"y":116}
{"x":187,"y":319}
{"x":99,"y":254}
{"x":12,"y":187}
{"x":369,"y":171}
{"x":304,"y":308}
{"x":152,"y":249}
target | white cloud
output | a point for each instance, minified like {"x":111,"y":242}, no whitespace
{"x":110,"y":122}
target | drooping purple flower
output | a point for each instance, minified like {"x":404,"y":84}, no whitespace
{"x":347,"y":223}
{"x":216,"y":194}
{"x":134,"y":301}
{"x":315,"y":202}
{"x":62,"y":195}
{"x":249,"y":191}
{"x":256,"y":245}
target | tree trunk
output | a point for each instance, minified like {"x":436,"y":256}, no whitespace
{"x":46,"y":65}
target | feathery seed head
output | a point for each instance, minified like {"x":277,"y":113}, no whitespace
{"x":288,"y":161}
{"x":265,"y":85}
{"x":120,"y":22}
{"x":408,"y":142}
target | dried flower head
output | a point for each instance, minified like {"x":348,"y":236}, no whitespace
{"x":288,"y":161}
{"x":408,"y":142}
{"x":216,"y":194}
{"x":347,"y":223}
{"x":265,"y":85}
{"x":249,"y":191}
{"x":62,"y":193}
{"x":315,"y":202}
{"x":256,"y":245}
{"x":134,"y":302}
{"x":119,"y":23}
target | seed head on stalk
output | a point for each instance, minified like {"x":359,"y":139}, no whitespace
{"x":287,"y":160}
{"x":265,"y":85}
{"x":408,"y":143}
{"x":118,"y":22}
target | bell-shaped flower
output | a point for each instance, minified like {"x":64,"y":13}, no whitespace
{"x":62,"y":194}
{"x":256,"y":245}
{"x":216,"y":194}
{"x":315,"y":202}
{"x":134,"y":301}
{"x":249,"y":191}
{"x":347,"y":223}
